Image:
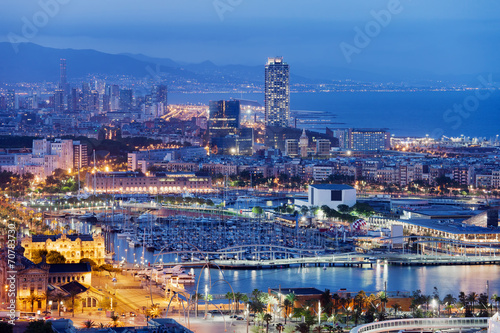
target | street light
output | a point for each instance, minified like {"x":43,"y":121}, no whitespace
{"x":206,"y":299}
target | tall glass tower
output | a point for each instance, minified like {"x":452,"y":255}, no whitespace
{"x":277,"y":92}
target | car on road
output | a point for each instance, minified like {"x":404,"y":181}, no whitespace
{"x":132,"y":314}
{"x":124,"y":314}
{"x":240,"y":318}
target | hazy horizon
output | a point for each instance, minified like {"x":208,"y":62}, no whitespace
{"x":442,"y":38}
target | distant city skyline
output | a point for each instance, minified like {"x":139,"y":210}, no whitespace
{"x":419,"y":37}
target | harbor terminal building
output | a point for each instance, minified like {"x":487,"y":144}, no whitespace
{"x":331,"y":195}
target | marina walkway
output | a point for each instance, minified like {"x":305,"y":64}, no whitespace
{"x":424,"y":324}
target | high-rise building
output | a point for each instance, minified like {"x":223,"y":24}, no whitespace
{"x":74,"y":100}
{"x":159,"y":94}
{"x":369,"y":139}
{"x":10,"y":100}
{"x":292,"y":147}
{"x":303,"y":144}
{"x":224,"y":118}
{"x":277,"y":93}
{"x":113,"y":91}
{"x":63,"y":81}
{"x":126,"y":99}
{"x":59,"y":101}
{"x":323,"y":147}
{"x":80,"y":157}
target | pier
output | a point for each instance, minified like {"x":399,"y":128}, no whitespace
{"x":345,"y":260}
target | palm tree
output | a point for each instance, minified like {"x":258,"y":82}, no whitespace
{"x":302,"y":328}
{"x":88,"y":324}
{"x":267,"y":318}
{"x":32,"y":298}
{"x":382,"y":296}
{"x":115,"y":319}
{"x":59,"y":297}
{"x":472,"y":298}
{"x":73,"y":295}
{"x":449,"y":300}
{"x":396,"y":308}
{"x":229,"y":296}
{"x":46,"y":296}
{"x":196,"y":297}
{"x":495,"y":298}
{"x":287,"y":304}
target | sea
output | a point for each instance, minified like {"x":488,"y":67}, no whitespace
{"x":448,"y":279}
{"x":404,"y":114}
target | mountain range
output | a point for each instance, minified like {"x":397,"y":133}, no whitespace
{"x":28,"y":62}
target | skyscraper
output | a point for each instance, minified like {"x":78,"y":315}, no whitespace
{"x":159,"y":94}
{"x":126,"y":99}
{"x":10,"y":100}
{"x":277,"y":92}
{"x":63,"y":81}
{"x":59,"y":101}
{"x":224,"y":118}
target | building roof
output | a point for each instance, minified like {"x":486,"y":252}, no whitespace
{"x":70,"y":268}
{"x":74,"y":286}
{"x":332,"y":187}
{"x":298,"y":291}
{"x":73,"y":237}
{"x":457,"y":228}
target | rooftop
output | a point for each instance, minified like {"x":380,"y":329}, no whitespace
{"x":332,"y":187}
{"x":451,"y":227}
{"x":70,"y":268}
{"x":75,"y":287}
{"x":298,"y":291}
{"x":73,"y":237}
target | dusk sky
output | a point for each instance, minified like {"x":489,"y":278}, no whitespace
{"x":444,"y":37}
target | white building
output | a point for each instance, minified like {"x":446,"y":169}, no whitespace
{"x":331,"y":195}
{"x":494,"y":324}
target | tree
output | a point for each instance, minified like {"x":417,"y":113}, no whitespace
{"x":73,"y":296}
{"x":88,"y":324}
{"x":46,"y":297}
{"x":495,"y":298}
{"x":267,"y":318}
{"x":229,"y":296}
{"x":472,"y":298}
{"x":58,"y":297}
{"x":382,"y":296}
{"x":326,"y":301}
{"x":449,"y":300}
{"x":287,"y":304}
{"x":91,"y":262}
{"x":39,"y":326}
{"x":54,"y":257}
{"x":38,"y":255}
{"x":32,"y":298}
{"x":302,"y":328}
{"x":115,"y":320}
{"x":343,"y":208}
{"x":257,"y":210}
{"x":396,"y":307}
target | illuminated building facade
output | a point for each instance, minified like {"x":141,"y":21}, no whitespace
{"x":72,"y":247}
{"x":277,"y":93}
{"x":135,"y":182}
{"x":224,"y":118}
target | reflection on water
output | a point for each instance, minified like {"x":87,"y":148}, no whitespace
{"x":448,"y":279}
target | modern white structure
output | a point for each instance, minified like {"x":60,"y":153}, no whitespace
{"x":331,"y":195}
{"x":494,"y":324}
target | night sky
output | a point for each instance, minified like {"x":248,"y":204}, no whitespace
{"x":438,"y":37}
